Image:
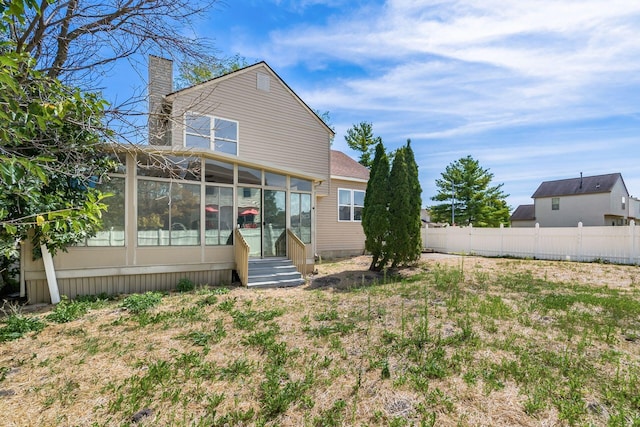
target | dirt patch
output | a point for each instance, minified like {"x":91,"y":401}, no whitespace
{"x":353,"y":272}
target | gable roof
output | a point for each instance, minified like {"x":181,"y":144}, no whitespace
{"x":524,"y":213}
{"x":261,"y":64}
{"x":575,"y":186}
{"x":343,"y":166}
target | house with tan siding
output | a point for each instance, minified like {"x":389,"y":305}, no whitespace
{"x":238,"y":172}
{"x":340,"y":230}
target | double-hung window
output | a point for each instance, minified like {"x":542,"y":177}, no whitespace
{"x":213,"y":133}
{"x":350,"y":204}
{"x":555,"y":203}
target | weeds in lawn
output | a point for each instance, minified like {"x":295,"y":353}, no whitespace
{"x":237,"y":368}
{"x":67,"y":310}
{"x":204,"y":338}
{"x":332,"y":417}
{"x":443,"y":343}
{"x":16,"y":325}
{"x":247,"y":320}
{"x":139,"y":303}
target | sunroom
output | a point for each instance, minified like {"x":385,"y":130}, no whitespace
{"x":188,"y":213}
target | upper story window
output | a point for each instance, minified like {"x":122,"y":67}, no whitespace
{"x":350,"y":204}
{"x":555,"y":203}
{"x":212,"y":133}
{"x":624,"y":203}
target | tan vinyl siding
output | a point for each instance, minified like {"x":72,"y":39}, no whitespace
{"x":274,"y":127}
{"x":337,"y":238}
{"x":78,"y":258}
{"x":38,"y":290}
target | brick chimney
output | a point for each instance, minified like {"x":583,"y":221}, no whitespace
{"x":160,"y":84}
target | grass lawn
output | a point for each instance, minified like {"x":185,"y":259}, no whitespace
{"x":460,"y":341}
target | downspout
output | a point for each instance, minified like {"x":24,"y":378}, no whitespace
{"x":23,"y":283}
{"x":47,"y":259}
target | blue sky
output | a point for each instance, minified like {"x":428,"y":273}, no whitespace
{"x":534,"y":90}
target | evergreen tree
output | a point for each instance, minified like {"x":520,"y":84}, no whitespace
{"x":415,"y":204}
{"x":375,"y":216}
{"x":399,"y":207}
{"x":466,"y":189}
{"x":360,"y":138}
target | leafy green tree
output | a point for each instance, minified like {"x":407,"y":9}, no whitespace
{"x":414,"y":248}
{"x":466,"y":189}
{"x":45,"y":170}
{"x":375,"y":214}
{"x":360,"y":138}
{"x":192,"y":72}
{"x":51,"y":156}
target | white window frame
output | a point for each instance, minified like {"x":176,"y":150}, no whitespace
{"x":212,"y":132}
{"x":555,"y":206}
{"x":351,"y":204}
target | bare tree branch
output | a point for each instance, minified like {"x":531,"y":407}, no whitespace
{"x":75,"y":40}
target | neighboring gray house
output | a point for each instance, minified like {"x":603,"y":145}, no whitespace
{"x":592,"y":200}
{"x":634,"y":209}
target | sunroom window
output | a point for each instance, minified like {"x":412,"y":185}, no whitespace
{"x":213,"y":133}
{"x":301,"y":216}
{"x":112,"y":231}
{"x":168,"y":213}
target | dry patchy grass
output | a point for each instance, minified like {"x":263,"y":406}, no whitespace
{"x":453,"y":341}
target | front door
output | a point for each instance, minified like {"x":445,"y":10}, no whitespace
{"x":262,"y":221}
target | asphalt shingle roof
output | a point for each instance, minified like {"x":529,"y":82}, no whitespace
{"x":524,"y":213}
{"x":574,"y":186}
{"x":343,"y":165}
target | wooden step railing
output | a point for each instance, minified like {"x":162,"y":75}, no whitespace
{"x":242,"y":250}
{"x":297,"y":251}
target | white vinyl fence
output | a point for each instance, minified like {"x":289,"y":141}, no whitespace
{"x":620,"y":245}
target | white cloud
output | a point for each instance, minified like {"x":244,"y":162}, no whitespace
{"x":477,"y":60}
{"x":456,"y":75}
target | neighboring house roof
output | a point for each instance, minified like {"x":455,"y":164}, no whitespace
{"x":343,"y":166}
{"x":260,"y":64}
{"x":576,"y":186}
{"x":524,"y":213}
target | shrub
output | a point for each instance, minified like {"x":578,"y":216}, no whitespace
{"x":66,"y":311}
{"x":185,"y":285}
{"x":16,"y":325}
{"x":139,"y":303}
